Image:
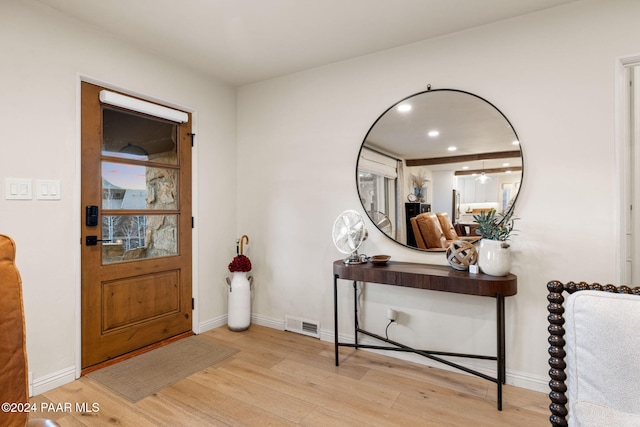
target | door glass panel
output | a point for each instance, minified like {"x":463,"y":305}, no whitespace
{"x":134,"y":136}
{"x":132,"y":237}
{"x":128,"y":186}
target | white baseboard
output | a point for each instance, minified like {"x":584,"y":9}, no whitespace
{"x":213,"y":323}
{"x":528,"y":381}
{"x":268,"y":322}
{"x":258,"y":320}
{"x":49,"y":382}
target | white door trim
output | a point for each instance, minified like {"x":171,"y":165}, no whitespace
{"x":623,"y":161}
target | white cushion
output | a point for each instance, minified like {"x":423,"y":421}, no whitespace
{"x":588,"y":414}
{"x":603,"y":351}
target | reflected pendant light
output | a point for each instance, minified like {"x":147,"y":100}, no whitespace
{"x":483,"y":178}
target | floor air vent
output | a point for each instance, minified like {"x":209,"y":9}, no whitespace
{"x":302,"y":326}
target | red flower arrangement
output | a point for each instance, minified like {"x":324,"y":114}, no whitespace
{"x":240,"y":263}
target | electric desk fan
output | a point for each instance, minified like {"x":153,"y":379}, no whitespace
{"x":348,"y":234}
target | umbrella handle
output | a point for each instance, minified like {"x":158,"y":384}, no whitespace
{"x":242,"y":240}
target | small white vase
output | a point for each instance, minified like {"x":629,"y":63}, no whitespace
{"x":239,"y":317}
{"x":493,"y":258}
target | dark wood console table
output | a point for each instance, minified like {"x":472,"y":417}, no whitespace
{"x":435,"y":278}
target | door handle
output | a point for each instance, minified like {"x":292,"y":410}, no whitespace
{"x":93,"y":240}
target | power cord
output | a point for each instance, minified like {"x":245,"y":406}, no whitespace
{"x":386,"y":331}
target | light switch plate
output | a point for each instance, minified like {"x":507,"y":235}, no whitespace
{"x":48,"y":189}
{"x":17,"y":189}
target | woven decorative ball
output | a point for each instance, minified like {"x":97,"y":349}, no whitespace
{"x":461,"y":255}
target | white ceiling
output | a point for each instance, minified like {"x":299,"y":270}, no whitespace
{"x":464,"y":121}
{"x":244,"y":41}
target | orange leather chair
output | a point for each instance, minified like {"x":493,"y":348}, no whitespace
{"x":14,"y":377}
{"x":428,"y":231}
{"x":447,"y":226}
{"x":450,"y":231}
{"x":435,"y":231}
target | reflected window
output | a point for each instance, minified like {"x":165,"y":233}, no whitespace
{"x":377,"y":192}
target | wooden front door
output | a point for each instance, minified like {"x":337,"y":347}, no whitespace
{"x":136,"y":229}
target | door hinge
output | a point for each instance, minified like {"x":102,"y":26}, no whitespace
{"x":193,"y":303}
{"x":193,"y":222}
{"x":192,"y":138}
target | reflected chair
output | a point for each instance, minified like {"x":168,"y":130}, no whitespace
{"x":449,"y":230}
{"x":14,"y":379}
{"x":428,"y":231}
{"x":594,"y":348}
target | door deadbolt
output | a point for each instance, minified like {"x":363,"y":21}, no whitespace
{"x":91,"y":216}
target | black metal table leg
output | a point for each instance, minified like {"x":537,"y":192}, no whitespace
{"x":335,"y":316}
{"x":355,"y":313}
{"x":501,"y":373}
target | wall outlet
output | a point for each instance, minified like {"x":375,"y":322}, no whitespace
{"x":392,"y":314}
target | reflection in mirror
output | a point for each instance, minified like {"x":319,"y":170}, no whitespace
{"x":441,"y":152}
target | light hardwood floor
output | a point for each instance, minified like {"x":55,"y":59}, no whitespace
{"x":285,"y":379}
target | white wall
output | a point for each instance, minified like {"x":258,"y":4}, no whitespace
{"x":43,"y":55}
{"x":442,"y":184}
{"x":552,"y":74}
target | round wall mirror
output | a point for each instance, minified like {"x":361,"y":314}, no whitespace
{"x":437,"y":157}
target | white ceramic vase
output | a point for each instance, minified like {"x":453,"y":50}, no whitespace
{"x":493,"y":258}
{"x":239,"y":317}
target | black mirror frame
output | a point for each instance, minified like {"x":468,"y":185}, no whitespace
{"x":429,"y":90}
